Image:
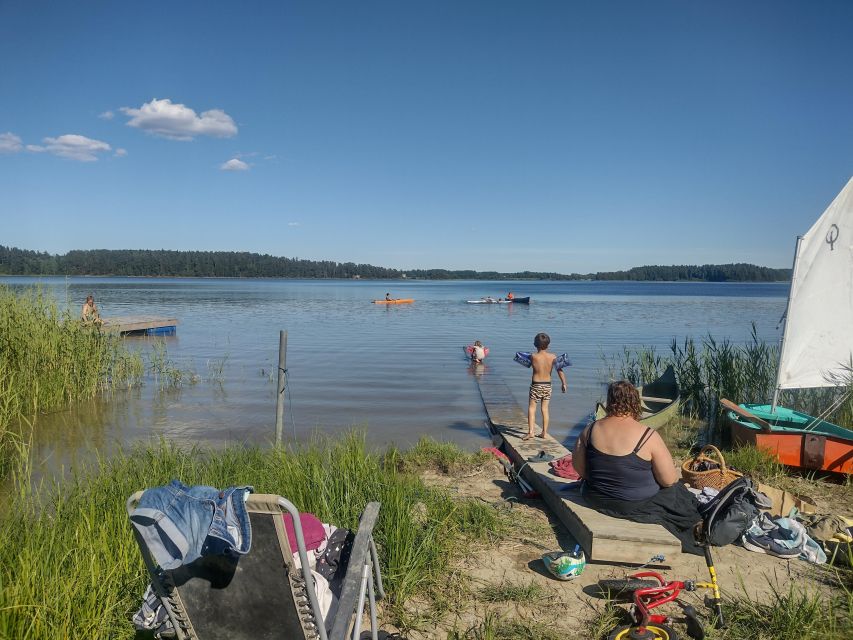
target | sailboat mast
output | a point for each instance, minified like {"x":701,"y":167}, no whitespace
{"x":785,"y":325}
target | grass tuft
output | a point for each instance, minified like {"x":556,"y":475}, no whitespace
{"x":69,"y":565}
{"x":512,"y":592}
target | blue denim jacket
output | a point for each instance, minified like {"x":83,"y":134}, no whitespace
{"x":179,"y":524}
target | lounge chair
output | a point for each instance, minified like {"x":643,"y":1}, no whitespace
{"x":263,"y":594}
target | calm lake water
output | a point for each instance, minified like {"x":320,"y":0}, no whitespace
{"x":396,"y":371}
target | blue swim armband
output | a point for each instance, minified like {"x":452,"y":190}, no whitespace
{"x":523,"y":358}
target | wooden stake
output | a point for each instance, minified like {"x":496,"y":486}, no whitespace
{"x":282,"y":379}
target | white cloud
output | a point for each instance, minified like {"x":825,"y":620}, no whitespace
{"x":178,"y":122}
{"x":292,"y":224}
{"x":107,"y":115}
{"x":72,"y":146}
{"x":234,"y":164}
{"x":120,"y":153}
{"x":10,"y":143}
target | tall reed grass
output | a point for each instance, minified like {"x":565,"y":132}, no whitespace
{"x":48,"y":359}
{"x":711,"y":369}
{"x":70,"y":568}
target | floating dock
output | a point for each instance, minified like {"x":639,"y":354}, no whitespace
{"x":603,"y":539}
{"x":141,"y":325}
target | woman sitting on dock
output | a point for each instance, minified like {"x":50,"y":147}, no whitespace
{"x":629,"y":472}
{"x":89,"y":314}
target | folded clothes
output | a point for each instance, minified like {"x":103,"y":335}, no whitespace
{"x":312,"y":530}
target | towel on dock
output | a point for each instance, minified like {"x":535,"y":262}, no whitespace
{"x":564,"y":468}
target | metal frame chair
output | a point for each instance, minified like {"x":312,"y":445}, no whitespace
{"x":263,"y":594}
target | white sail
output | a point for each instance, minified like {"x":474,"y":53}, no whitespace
{"x":818,"y":337}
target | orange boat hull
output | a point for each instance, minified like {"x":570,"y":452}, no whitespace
{"x":400,"y":301}
{"x":801,"y":450}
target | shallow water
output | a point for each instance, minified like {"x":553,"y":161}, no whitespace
{"x":396,"y":371}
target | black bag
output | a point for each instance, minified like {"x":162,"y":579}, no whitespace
{"x":731,"y":512}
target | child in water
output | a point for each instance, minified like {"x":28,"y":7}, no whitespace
{"x":478,"y":353}
{"x":540,"y":386}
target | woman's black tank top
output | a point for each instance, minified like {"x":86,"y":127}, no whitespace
{"x":627,"y":477}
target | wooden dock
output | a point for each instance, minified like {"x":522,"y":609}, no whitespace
{"x":603,"y":539}
{"x":141,"y":325}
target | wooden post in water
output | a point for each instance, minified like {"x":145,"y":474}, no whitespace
{"x":282,"y":379}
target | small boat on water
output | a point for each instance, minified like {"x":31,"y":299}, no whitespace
{"x":795,"y":439}
{"x":816,"y":344}
{"x":397,"y":301}
{"x":659,"y":401}
{"x":525,"y":300}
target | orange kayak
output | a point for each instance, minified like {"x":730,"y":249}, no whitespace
{"x":397,"y":301}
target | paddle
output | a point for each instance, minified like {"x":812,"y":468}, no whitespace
{"x":731,"y":406}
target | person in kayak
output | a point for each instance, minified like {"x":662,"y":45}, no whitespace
{"x":540,"y":386}
{"x":388,"y":297}
{"x":629,"y":473}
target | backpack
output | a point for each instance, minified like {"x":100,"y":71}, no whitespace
{"x":731,"y":512}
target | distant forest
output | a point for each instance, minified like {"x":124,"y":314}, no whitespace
{"x":231,"y":264}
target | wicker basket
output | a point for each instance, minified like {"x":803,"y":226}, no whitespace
{"x":714,"y":478}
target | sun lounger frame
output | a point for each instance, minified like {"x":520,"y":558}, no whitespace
{"x":362,"y":580}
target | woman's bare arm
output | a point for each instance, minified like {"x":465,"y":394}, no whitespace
{"x":579,"y":453}
{"x":663,"y":466}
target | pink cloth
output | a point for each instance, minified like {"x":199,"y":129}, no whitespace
{"x":564,"y":468}
{"x":312,"y":531}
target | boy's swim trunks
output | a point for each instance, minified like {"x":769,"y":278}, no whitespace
{"x":540,"y":391}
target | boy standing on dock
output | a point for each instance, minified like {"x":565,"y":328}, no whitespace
{"x":540,"y":386}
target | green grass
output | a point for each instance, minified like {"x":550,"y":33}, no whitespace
{"x":604,"y":619}
{"x":48,"y":359}
{"x":445,"y":457}
{"x":496,"y":627}
{"x":792,"y":614}
{"x":512,"y":592}
{"x":759,"y":464}
{"x":69,"y":565}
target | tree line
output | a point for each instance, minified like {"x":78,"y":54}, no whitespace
{"x":233,"y":264}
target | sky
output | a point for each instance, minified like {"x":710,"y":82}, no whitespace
{"x":500,"y":135}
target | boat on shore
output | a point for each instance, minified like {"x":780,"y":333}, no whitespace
{"x":525,"y":300}
{"x":659,"y":401}
{"x":816,"y":344}
{"x":796,"y":439}
{"x":397,"y":301}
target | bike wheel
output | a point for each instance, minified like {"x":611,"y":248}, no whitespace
{"x":625,"y":586}
{"x":650,"y":632}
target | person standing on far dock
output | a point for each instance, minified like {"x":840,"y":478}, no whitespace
{"x":89,"y":314}
{"x":543,"y":362}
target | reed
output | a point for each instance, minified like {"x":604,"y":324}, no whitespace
{"x":70,"y":568}
{"x":48,"y":359}
{"x":712,"y":369}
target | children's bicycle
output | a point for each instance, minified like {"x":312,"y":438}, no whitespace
{"x":650,"y":594}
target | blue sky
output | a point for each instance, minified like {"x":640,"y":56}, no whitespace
{"x":485,"y":135}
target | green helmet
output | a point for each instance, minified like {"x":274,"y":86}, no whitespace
{"x":564,"y":565}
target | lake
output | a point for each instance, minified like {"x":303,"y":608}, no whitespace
{"x":397,"y":371}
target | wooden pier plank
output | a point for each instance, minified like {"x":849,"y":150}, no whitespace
{"x":603,"y":538}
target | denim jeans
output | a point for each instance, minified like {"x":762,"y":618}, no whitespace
{"x":179,"y":524}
